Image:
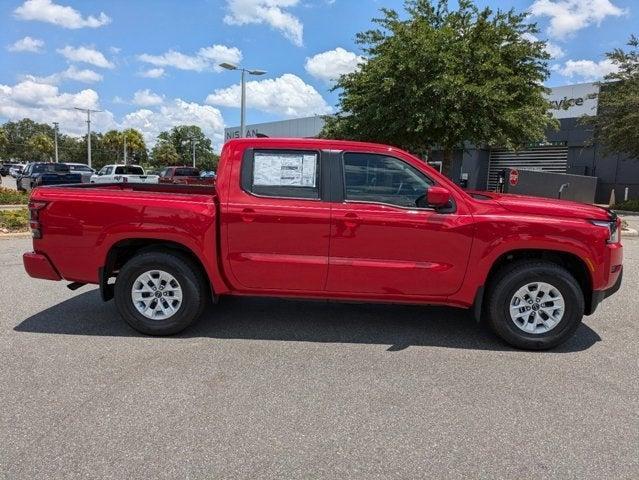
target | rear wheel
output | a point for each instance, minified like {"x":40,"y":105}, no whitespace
{"x":534,"y":304}
{"x":160,"y":292}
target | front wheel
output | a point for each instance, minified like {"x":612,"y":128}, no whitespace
{"x":534,"y":305}
{"x":160,"y":292}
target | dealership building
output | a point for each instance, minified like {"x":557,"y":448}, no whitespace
{"x":570,"y":149}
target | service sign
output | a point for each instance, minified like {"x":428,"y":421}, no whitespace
{"x":574,"y":101}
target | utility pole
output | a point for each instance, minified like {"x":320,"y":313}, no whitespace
{"x":88,"y":112}
{"x":55,"y":139}
{"x":193,"y":143}
{"x":125,"y":160}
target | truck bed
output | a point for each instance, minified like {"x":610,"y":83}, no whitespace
{"x":143,"y":187}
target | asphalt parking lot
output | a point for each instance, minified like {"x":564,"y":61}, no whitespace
{"x":290,"y":389}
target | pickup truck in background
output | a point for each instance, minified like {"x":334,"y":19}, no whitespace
{"x":329,"y":219}
{"x":122,"y":174}
{"x":45,"y":173}
{"x":184,"y":176}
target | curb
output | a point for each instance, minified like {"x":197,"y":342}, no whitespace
{"x":12,"y":207}
{"x":629,"y":232}
{"x":9,"y":236}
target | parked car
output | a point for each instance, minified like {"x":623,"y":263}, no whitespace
{"x":184,"y":176}
{"x":207,"y":174}
{"x":16,"y":170}
{"x":330,"y":219}
{"x":83,"y":169}
{"x":4,"y":168}
{"x":41,"y":173}
{"x":123,"y":174}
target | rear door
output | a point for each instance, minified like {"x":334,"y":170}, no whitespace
{"x":385,"y":241}
{"x":277,"y":222}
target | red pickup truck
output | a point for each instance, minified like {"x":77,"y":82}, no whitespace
{"x":184,"y":175}
{"x":329,"y":219}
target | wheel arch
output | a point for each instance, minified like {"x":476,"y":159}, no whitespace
{"x":571,"y":262}
{"x":122,"y":251}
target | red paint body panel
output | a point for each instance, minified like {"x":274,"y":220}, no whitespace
{"x":39,"y":266}
{"x":255,"y":245}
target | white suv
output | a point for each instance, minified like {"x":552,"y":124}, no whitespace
{"x":123,"y":174}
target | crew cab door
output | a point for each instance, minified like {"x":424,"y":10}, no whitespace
{"x":383,"y":244}
{"x":276,"y":222}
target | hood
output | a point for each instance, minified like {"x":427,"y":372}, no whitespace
{"x":548,"y":206}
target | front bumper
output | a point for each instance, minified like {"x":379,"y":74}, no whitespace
{"x":599,"y":296}
{"x":38,"y":265}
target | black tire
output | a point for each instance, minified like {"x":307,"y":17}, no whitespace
{"x":195,"y":293}
{"x":509,"y":279}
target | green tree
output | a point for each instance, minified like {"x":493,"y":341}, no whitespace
{"x":4,"y":143}
{"x":113,"y":143}
{"x":616,"y":125}
{"x":437,"y":78}
{"x":180,"y":138}
{"x":41,"y":147}
{"x":19,"y":134}
{"x":163,"y":154}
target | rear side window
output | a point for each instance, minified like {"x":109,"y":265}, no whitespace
{"x":187,"y":172}
{"x":383,"y":179}
{"x":282,"y":173}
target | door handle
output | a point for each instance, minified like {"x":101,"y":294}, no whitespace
{"x":350,"y":220}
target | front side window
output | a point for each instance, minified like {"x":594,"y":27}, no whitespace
{"x":383,"y":179}
{"x":108,"y":170}
{"x":285,"y":173}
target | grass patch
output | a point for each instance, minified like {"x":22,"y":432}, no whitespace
{"x":14,"y":220}
{"x":13,"y":197}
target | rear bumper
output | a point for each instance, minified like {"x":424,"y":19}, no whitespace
{"x":599,"y":296}
{"x":39,"y":266}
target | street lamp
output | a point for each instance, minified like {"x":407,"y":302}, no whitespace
{"x":88,"y":111}
{"x":231,"y":66}
{"x":193,"y":144}
{"x":55,"y":137}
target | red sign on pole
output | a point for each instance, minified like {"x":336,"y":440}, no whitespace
{"x":513,"y":178}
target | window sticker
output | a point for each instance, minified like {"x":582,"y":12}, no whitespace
{"x":284,"y":169}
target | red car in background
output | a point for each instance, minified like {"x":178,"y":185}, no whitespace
{"x":184,"y":176}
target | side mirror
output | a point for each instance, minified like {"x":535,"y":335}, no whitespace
{"x":437,"y":196}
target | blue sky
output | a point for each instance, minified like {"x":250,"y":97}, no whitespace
{"x":150,"y":64}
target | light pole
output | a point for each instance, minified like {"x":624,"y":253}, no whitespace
{"x":232,"y":66}
{"x":55,"y":139}
{"x":88,"y":111}
{"x":193,"y":144}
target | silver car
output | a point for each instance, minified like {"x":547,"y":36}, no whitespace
{"x":83,"y":169}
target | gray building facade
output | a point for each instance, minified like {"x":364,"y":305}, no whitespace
{"x":570,"y":149}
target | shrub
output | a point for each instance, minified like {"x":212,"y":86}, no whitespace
{"x":13,"y":197}
{"x":14,"y":220}
{"x":628,"y":205}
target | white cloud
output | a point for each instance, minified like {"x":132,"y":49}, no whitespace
{"x":554,"y":50}
{"x":45,"y":103}
{"x":570,"y":16}
{"x":287,"y":95}
{"x":63,"y":16}
{"x":176,"y":112}
{"x":86,"y":55}
{"x":27,"y":44}
{"x":586,"y":70}
{"x":206,"y":58}
{"x":153,"y":73}
{"x":328,"y":66}
{"x":146,"y":98}
{"x":71,"y":73}
{"x":272,"y":12}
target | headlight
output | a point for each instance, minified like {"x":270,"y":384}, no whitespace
{"x":613,"y":229}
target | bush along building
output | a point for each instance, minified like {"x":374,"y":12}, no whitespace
{"x":570,"y":149}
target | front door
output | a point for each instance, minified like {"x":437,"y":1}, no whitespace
{"x":385,"y":241}
{"x":277,"y":223}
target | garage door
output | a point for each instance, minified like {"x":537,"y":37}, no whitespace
{"x":547,"y":159}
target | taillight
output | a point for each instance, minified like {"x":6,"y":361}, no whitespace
{"x":34,"y":217}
